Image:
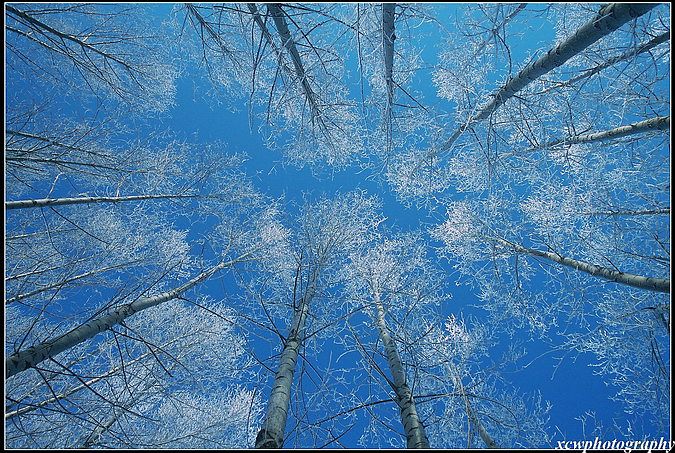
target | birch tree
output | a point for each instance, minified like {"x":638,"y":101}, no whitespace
{"x":435,"y":171}
{"x":386,"y":37}
{"x":395,"y":277}
{"x":328,"y":230}
{"x":466,"y":401}
{"x":145,"y":374}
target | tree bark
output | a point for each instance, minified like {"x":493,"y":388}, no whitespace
{"x":659,"y":123}
{"x":277,"y":14}
{"x":414,"y":430}
{"x":660,"y":39}
{"x":39,"y":203}
{"x":609,"y":18}
{"x":271,"y":435}
{"x":30,"y":357}
{"x":388,"y":37}
{"x":637,"y":281}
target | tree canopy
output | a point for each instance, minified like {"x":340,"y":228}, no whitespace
{"x":336,"y":225}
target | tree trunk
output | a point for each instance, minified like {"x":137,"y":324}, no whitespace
{"x":660,"y":39}
{"x":637,"y":281}
{"x":609,"y":18}
{"x":20,"y":204}
{"x":28,"y":358}
{"x":414,"y":430}
{"x":659,"y":123}
{"x":388,"y":37}
{"x":271,"y":435}
{"x":629,"y":212}
{"x":287,"y":41}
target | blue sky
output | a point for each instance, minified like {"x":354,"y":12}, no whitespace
{"x":566,"y":380}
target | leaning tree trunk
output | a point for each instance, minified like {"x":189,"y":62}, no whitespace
{"x":43,"y":202}
{"x":609,"y":18}
{"x":471,"y":414}
{"x":637,"y":281}
{"x":414,"y":430}
{"x":271,"y":435}
{"x":660,"y":39}
{"x":28,"y":358}
{"x":287,"y":41}
{"x":658,"y":123}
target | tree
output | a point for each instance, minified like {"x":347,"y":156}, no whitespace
{"x":465,"y":398}
{"x":144,"y":390}
{"x":436,"y":170}
{"x":395,"y":273}
{"x":164,"y":290}
{"x":291,"y":70}
{"x":328,"y":231}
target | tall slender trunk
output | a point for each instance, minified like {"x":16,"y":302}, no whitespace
{"x":629,"y":212}
{"x":609,"y":18}
{"x":39,"y":203}
{"x":28,"y":358}
{"x":660,"y":39}
{"x":287,"y":41}
{"x":658,"y":123}
{"x":414,"y":430}
{"x":271,"y":435}
{"x":471,"y":414}
{"x":388,"y":37}
{"x":637,"y":281}
{"x":87,"y":384}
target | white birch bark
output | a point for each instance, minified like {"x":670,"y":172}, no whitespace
{"x":609,"y":18}
{"x":414,"y":430}
{"x":649,"y":45}
{"x":471,"y":414}
{"x":659,"y":123}
{"x":43,"y":202}
{"x":28,"y":358}
{"x":636,"y":281}
{"x":271,"y":435}
{"x":629,"y":212}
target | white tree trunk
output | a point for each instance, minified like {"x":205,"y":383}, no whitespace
{"x":28,"y":358}
{"x":659,"y":123}
{"x":271,"y":435}
{"x":637,"y":281}
{"x":609,"y":18}
{"x":39,"y":203}
{"x":414,"y":430}
{"x":660,"y":39}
